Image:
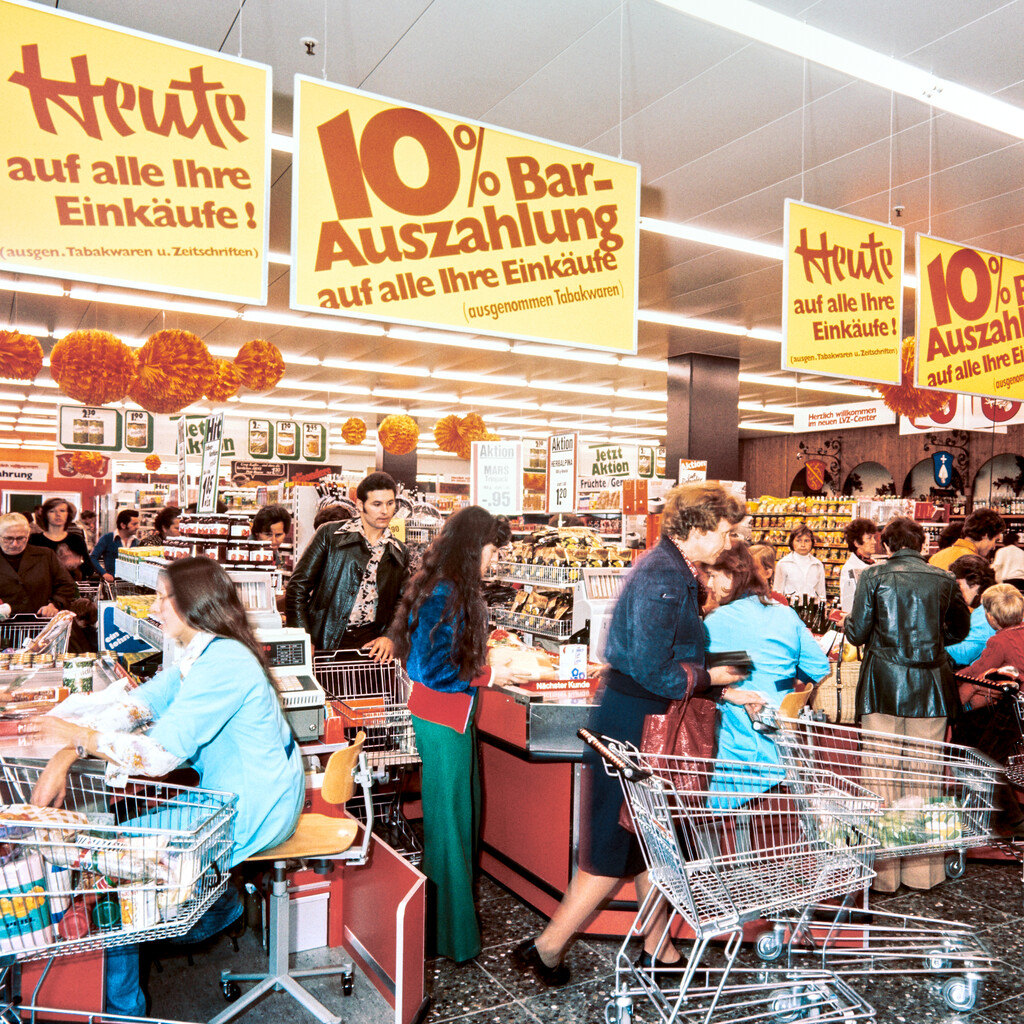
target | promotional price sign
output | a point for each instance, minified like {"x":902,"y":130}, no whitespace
{"x":496,"y":476}
{"x":406,"y":215}
{"x":842,"y":302}
{"x":693,"y":470}
{"x":182,"y":450}
{"x":130,"y":159}
{"x":970,"y":320}
{"x":560,"y":479}
{"x":209,"y":475}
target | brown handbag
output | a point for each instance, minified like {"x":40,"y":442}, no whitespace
{"x":686,"y":729}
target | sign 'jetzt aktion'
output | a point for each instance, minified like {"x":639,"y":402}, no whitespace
{"x":130,"y":159}
{"x":842,"y":303}
{"x":970,"y":320}
{"x":403,"y":214}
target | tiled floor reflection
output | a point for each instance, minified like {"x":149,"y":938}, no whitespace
{"x":490,"y":990}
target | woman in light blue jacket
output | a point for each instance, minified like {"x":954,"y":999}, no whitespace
{"x":780,"y":646}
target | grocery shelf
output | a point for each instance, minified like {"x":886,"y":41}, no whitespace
{"x":146,"y":630}
{"x":526,"y":572}
{"x":557,"y":629}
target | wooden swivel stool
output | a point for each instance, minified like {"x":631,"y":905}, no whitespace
{"x":316,"y":837}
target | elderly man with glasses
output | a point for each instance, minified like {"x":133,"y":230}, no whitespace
{"x":32,"y":580}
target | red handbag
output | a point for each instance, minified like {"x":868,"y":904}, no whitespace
{"x":687,"y":729}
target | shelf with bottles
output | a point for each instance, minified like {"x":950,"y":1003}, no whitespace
{"x":780,"y":515}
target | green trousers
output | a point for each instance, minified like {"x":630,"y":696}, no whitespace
{"x":451,"y":821}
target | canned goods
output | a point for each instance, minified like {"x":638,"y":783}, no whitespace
{"x":78,"y":674}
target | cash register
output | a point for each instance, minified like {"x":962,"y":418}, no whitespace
{"x":290,"y":654}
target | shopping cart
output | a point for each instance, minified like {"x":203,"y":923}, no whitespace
{"x":373,"y":696}
{"x":937,"y":798}
{"x":726,"y":843}
{"x":35,"y":632}
{"x":110,"y":867}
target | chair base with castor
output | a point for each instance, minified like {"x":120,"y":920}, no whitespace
{"x":316,"y":837}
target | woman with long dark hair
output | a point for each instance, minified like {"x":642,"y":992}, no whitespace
{"x":440,"y":629}
{"x":215,"y":710}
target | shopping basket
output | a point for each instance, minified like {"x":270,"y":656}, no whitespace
{"x":726,"y":843}
{"x":373,"y":696}
{"x":109,"y":867}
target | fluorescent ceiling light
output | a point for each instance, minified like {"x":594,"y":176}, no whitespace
{"x":447,"y":338}
{"x":808,"y":385}
{"x":653,"y":316}
{"x":763,"y":334}
{"x":32,"y":285}
{"x":778,"y":428}
{"x":482,"y":378}
{"x":415,"y":396}
{"x":525,"y":348}
{"x":279,"y":257}
{"x":289,"y":357}
{"x":337,"y":325}
{"x":859,"y":62}
{"x":28,"y":427}
{"x":365,"y":366}
{"x":281,"y":143}
{"x":485,"y":403}
{"x":153,"y":302}
{"x":770,"y":410}
{"x":713,"y":238}
{"x":639,"y":363}
{"x":13,"y":396}
{"x":286,"y":403}
{"x":34,"y":410}
{"x":570,"y":388}
{"x":643,"y":396}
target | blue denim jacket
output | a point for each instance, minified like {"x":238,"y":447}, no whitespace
{"x":656,"y":627}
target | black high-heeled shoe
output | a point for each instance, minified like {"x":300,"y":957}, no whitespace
{"x":526,"y":957}
{"x":665,"y":975}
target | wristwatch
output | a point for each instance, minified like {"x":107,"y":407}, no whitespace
{"x":80,"y":750}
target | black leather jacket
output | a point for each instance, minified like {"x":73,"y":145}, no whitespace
{"x":324,"y":585}
{"x":906,"y":611}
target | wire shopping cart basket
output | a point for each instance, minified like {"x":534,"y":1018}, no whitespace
{"x":936,"y":798}
{"x":35,"y":633}
{"x":110,"y":867}
{"x":726,"y":843}
{"x":373,"y":696}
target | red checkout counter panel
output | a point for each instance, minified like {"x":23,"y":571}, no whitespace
{"x":533,"y":778}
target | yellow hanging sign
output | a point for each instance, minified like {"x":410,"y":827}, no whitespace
{"x":406,"y":215}
{"x":131,"y":160}
{"x":842,"y":295}
{"x":970,"y":316}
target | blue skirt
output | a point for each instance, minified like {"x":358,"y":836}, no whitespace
{"x":605,"y":847}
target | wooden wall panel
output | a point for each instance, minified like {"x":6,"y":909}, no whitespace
{"x":769,"y":463}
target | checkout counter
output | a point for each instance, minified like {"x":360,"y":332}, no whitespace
{"x":532,"y":774}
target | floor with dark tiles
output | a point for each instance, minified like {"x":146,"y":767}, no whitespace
{"x":489,"y":989}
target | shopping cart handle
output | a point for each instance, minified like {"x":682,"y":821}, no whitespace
{"x":629,"y":771}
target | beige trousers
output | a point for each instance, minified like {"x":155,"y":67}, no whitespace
{"x":926,"y":870}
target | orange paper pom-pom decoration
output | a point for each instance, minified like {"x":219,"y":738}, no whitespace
{"x":157,"y":403}
{"x":446,"y":433}
{"x":259,"y":364}
{"x":88,"y":463}
{"x":92,"y":367}
{"x":226,"y":381}
{"x":398,"y":434}
{"x":905,"y":399}
{"x":21,"y":355}
{"x":353,"y":431}
{"x":455,"y":434}
{"x":152,"y":463}
{"x":175,"y":368}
